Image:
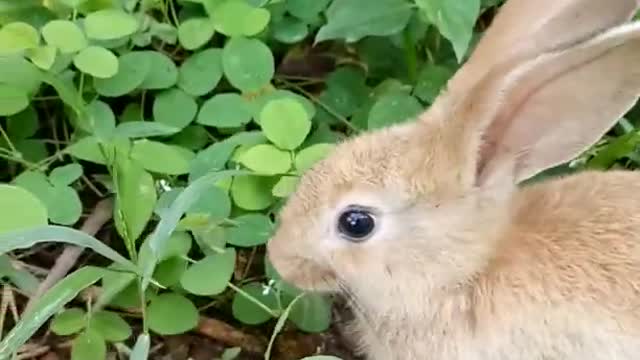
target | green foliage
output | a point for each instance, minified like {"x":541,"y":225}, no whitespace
{"x":198,"y":118}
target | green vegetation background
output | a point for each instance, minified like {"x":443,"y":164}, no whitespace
{"x":185,"y":124}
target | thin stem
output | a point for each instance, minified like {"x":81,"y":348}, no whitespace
{"x":172,"y":10}
{"x":410,"y":55}
{"x":143,"y":302}
{"x":142,"y":100}
{"x":81,"y":86}
{"x":6,"y":138}
{"x":90,"y":185}
{"x":253,"y":300}
{"x":313,"y":98}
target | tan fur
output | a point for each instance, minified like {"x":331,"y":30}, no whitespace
{"x":466,"y":264}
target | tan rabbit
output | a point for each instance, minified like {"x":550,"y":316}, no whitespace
{"x":424,"y":227}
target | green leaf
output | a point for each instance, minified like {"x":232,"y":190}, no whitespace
{"x":252,"y":192}
{"x":174,"y":107}
{"x":201,"y":72}
{"x":47,"y":305}
{"x":213,"y":158}
{"x":352,"y":20}
{"x":225,"y":110}
{"x":87,"y":149}
{"x":90,"y":345}
{"x":171,"y":314}
{"x":210,"y":275}
{"x":16,"y":37}
{"x":110,"y":24}
{"x":23,"y":124}
{"x":307,"y":157}
{"x":266,"y":159}
{"x":195,"y":32}
{"x":114,"y":289}
{"x":43,"y":56}
{"x":306,"y":10}
{"x":101,"y":119}
{"x":431,"y":80}
{"x":215,"y":203}
{"x":250,"y":230}
{"x":616,"y":149}
{"x":64,"y":35}
{"x":66,"y":174}
{"x":237,"y":18}
{"x":62,"y":202}
{"x":290,"y":30}
{"x":97,"y":61}
{"x":111,"y":326}
{"x":135,"y":198}
{"x":169,"y":272}
{"x":262,"y":100}
{"x":178,"y":245}
{"x":19,"y":73}
{"x":249,"y":312}
{"x":20,"y":209}
{"x":161,"y":158}
{"x":171,"y":217}
{"x":285,"y":186}
{"x":12,"y":100}
{"x":248,"y":64}
{"x":32,"y":150}
{"x":454,"y":19}
{"x":311,"y":313}
{"x":393,"y":109}
{"x":69,"y":322}
{"x":285,"y":123}
{"x":162,"y":73}
{"x":133,"y":69}
{"x":65,"y":207}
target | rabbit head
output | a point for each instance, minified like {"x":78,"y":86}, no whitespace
{"x":418,"y":206}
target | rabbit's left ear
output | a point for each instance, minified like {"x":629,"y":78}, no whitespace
{"x":528,"y":117}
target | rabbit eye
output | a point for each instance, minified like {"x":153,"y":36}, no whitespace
{"x":356,"y":224}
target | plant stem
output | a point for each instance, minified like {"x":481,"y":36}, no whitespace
{"x":6,"y":138}
{"x":313,"y":98}
{"x":253,"y":300}
{"x":411,"y":55}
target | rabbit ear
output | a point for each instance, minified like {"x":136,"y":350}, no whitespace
{"x":523,"y":28}
{"x":530,"y":116}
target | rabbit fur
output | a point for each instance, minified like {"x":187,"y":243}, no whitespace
{"x":466,"y":262}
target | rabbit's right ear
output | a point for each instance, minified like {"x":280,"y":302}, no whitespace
{"x":525,"y":28}
{"x":526,"y":117}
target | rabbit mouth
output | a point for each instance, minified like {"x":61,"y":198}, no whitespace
{"x":304,"y":273}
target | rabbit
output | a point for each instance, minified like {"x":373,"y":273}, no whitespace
{"x":430,"y":232}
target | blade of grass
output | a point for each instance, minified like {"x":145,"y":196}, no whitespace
{"x":48,"y":305}
{"x":53,"y":233}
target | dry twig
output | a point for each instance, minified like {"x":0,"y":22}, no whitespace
{"x":94,"y":222}
{"x":228,"y":335}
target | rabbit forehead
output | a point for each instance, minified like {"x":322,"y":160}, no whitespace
{"x":404,"y":162}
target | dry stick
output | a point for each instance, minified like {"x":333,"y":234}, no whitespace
{"x":228,"y":335}
{"x":94,"y":222}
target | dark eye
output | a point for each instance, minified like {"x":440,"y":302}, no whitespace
{"x":356,"y":224}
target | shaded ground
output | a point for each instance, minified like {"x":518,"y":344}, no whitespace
{"x":290,"y":345}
